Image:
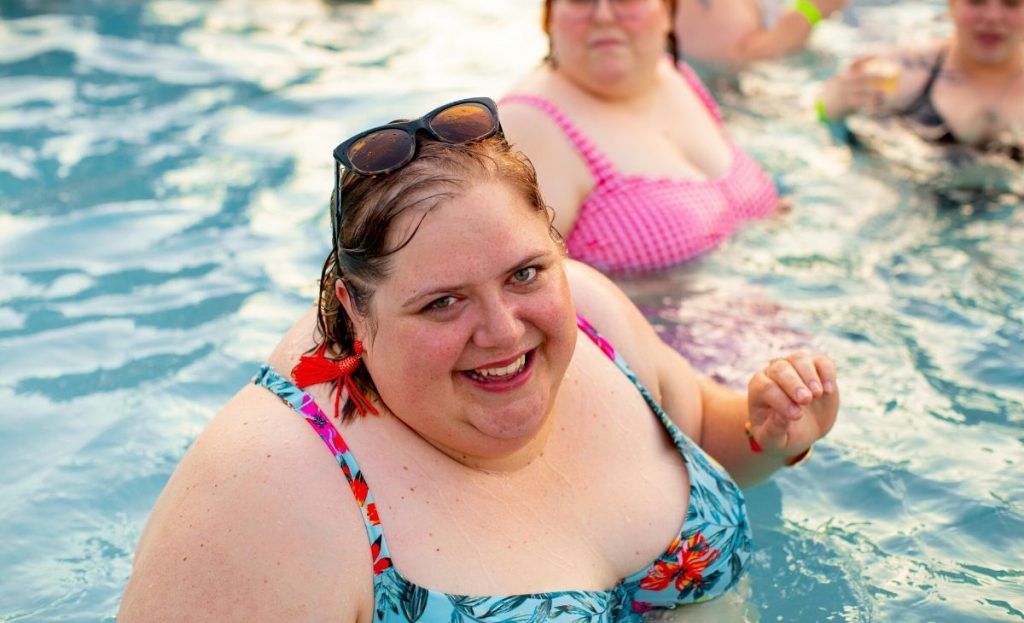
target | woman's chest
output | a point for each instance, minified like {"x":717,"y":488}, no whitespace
{"x":696,"y":152}
{"x":981,"y":118}
{"x":677,"y":140}
{"x":606,"y":498}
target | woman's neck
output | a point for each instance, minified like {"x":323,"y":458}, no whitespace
{"x":628,"y":88}
{"x":511,"y":462}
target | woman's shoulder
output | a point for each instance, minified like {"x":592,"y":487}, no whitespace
{"x":300,"y":339}
{"x":926,"y":50}
{"x":661,"y":370}
{"x":536,"y":123}
{"x":240,"y":522}
{"x":912,"y":57}
{"x":607,"y":308}
{"x":534,"y":101}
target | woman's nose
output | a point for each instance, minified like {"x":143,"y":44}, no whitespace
{"x":499,"y":326}
{"x":603,"y":10}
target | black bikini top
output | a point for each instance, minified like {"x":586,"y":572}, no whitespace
{"x":931,"y":126}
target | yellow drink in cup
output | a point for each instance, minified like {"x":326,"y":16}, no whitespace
{"x":885,"y":74}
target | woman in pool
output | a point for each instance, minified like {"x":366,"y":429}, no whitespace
{"x":506,"y":449}
{"x":965,"y":89}
{"x":629,"y":147}
{"x":733,"y":32}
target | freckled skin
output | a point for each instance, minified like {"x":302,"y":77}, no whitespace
{"x":487,"y":313}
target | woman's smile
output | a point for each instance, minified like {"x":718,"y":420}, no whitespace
{"x":989,"y":39}
{"x":474,"y":327}
{"x":502,"y":376}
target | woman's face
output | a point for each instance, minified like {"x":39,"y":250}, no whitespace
{"x":474,"y":326}
{"x":605,"y":41}
{"x":990,"y":31}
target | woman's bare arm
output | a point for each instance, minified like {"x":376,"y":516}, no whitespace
{"x":712,"y":415}
{"x":240,"y":532}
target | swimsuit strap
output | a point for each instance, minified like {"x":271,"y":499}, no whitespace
{"x":599,"y":164}
{"x":681,"y":441}
{"x":923,"y":101}
{"x":706,"y":474}
{"x":703,"y":94}
{"x":303,"y":404}
{"x":936,"y":70}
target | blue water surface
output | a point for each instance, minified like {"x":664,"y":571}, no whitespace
{"x":164,"y":173}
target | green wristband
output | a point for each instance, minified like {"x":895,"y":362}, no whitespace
{"x":836,"y":127}
{"x":809,"y":10}
{"x":819,"y":107}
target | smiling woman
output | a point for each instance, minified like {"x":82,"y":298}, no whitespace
{"x":494,"y":424}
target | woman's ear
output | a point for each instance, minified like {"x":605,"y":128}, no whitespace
{"x":358,"y":322}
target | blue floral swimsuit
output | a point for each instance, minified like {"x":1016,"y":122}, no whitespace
{"x":703,"y":561}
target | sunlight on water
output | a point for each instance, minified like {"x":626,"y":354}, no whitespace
{"x":164,"y":176}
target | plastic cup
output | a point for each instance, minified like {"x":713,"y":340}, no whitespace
{"x":884,"y":74}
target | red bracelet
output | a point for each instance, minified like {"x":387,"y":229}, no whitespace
{"x":797,"y":459}
{"x":755,"y":447}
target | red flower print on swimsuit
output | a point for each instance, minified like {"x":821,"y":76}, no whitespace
{"x":371,"y":514}
{"x":686,"y":565}
{"x":379,"y":563}
{"x":359,"y":489}
{"x":642,"y":607}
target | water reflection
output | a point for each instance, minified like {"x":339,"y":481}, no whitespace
{"x":164,"y":172}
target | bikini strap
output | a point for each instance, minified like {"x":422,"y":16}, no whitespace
{"x":303,"y":404}
{"x":686,"y":446}
{"x":599,"y":164}
{"x":682,"y":441}
{"x":924,"y":98}
{"x":703,"y":94}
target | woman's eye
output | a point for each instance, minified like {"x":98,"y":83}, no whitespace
{"x":525,"y":275}
{"x":442,"y":303}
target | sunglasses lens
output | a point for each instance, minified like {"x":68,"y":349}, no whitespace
{"x":381,"y":151}
{"x":464,"y":123}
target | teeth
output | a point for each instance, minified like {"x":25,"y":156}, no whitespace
{"x":513,"y":368}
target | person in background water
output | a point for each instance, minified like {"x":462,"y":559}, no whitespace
{"x":730,"y":33}
{"x":526,"y":445}
{"x":964,"y":89}
{"x":629,"y":146}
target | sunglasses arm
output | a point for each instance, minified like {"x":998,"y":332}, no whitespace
{"x":335,"y":207}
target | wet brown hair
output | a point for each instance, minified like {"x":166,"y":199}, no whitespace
{"x":361,"y":254}
{"x":672,"y":45}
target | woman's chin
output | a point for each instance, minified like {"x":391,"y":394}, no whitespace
{"x":514,"y":428}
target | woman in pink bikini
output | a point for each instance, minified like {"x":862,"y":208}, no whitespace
{"x":629,"y":147}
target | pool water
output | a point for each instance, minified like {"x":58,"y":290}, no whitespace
{"x":164,"y":174}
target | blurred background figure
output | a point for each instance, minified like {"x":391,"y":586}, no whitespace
{"x":964,"y":89}
{"x":629,"y":146}
{"x":733,"y":32}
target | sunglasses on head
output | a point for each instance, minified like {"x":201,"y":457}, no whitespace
{"x":390,"y":147}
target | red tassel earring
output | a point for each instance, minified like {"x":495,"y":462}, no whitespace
{"x":317,"y":368}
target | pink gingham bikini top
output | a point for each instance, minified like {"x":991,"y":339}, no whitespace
{"x":641,"y":223}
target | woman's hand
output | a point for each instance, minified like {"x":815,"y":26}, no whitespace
{"x":793,"y":402}
{"x":866,"y":85}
